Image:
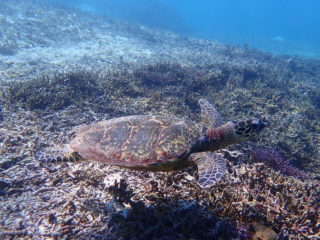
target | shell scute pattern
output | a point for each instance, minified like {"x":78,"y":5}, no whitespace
{"x":135,"y":140}
{"x":141,"y":141}
{"x":93,"y":137}
{"x":175,"y":139}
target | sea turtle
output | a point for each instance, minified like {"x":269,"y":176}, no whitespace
{"x":159,"y":143}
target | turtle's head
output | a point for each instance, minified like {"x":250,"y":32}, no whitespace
{"x":249,"y":128}
{"x":228,"y":133}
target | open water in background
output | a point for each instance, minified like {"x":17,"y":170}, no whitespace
{"x":279,"y":26}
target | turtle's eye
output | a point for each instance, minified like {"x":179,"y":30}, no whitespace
{"x":257,"y":124}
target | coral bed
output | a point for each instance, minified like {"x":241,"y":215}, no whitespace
{"x":237,"y":91}
{"x":50,"y":88}
{"x":252,"y":200}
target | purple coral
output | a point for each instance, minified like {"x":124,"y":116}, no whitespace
{"x":272,"y":158}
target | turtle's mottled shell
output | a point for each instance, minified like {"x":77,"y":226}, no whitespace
{"x":140,"y":142}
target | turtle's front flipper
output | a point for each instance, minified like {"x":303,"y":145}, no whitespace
{"x":58,"y":155}
{"x":210,"y":117}
{"x":211,"y":168}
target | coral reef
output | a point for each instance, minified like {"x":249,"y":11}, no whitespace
{"x":173,"y":89}
{"x":52,"y":92}
{"x":272,"y":158}
{"x":98,"y":68}
{"x":254,"y":193}
{"x":164,"y":219}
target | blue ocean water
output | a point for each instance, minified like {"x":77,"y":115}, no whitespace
{"x":279,"y":26}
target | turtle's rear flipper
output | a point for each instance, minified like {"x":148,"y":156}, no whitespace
{"x":57,"y":155}
{"x":211,"y":168}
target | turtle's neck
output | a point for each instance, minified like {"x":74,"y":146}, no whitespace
{"x":215,"y":139}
